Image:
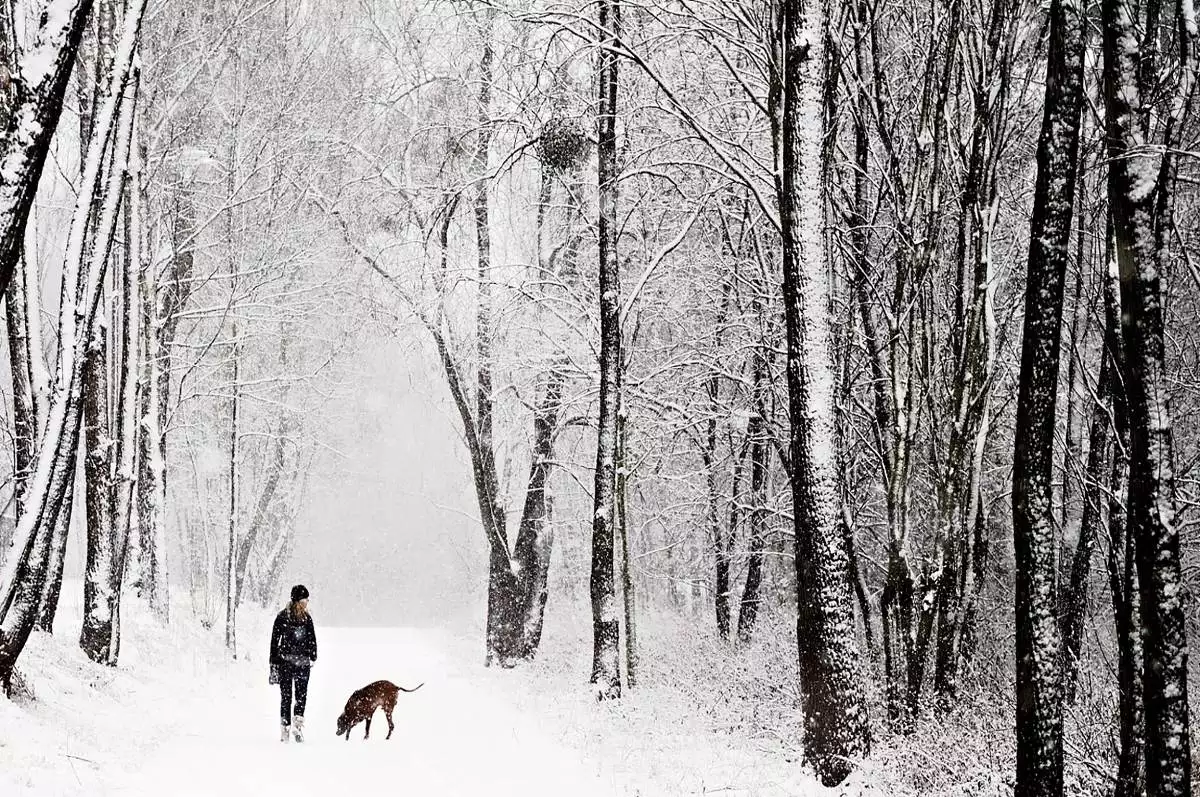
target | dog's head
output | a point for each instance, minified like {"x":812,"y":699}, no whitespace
{"x":343,"y":725}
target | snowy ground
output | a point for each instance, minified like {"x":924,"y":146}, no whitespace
{"x":178,"y":719}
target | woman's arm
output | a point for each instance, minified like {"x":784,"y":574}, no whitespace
{"x":273,"y":657}
{"x":312,"y":639}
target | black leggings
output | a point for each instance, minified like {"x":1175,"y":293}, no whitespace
{"x":288,"y":674}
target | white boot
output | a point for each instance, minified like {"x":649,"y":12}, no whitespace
{"x":283,"y":732}
{"x":298,"y":722}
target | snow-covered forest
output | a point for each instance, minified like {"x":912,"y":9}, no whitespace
{"x":752,"y":396}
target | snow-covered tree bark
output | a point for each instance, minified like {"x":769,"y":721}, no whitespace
{"x":1141,"y":194}
{"x":235,"y":407}
{"x":1039,"y":688}
{"x":759,"y":454}
{"x":1073,"y":612}
{"x":606,"y":672}
{"x":21,"y":354}
{"x":56,"y":563}
{"x":1121,"y":560}
{"x":36,"y":107}
{"x":836,"y":728}
{"x":24,"y":571}
{"x":108,"y":423}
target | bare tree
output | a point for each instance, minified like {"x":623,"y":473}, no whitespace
{"x":23,"y":574}
{"x":835,"y":727}
{"x":1141,"y":194}
{"x":1039,"y":688}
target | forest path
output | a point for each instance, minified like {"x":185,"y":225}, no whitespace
{"x":451,"y":736}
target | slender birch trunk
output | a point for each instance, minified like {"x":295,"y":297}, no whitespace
{"x":606,"y":671}
{"x":234,"y":474}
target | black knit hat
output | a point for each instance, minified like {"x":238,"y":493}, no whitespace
{"x":299,"y":593}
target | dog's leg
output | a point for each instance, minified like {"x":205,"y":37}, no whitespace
{"x":388,"y":713}
{"x":368,"y":733}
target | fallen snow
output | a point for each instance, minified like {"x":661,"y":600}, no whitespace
{"x":178,"y":717}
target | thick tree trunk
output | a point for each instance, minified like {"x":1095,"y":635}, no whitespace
{"x":835,"y":717}
{"x":504,"y":610}
{"x":1141,"y":191}
{"x":101,"y":589}
{"x":606,"y":673}
{"x":535,"y":537}
{"x":104,"y":573}
{"x":17,"y":619}
{"x":22,"y":575}
{"x":36,"y":109}
{"x":1039,"y":688}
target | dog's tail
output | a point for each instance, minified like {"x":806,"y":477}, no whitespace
{"x":415,"y":688}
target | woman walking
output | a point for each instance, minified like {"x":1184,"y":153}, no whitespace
{"x":293,"y":651}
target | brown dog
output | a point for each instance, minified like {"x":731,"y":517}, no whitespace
{"x":362,"y":704}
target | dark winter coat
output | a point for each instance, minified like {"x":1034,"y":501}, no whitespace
{"x":293,"y":641}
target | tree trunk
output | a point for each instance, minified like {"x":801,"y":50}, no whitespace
{"x":536,"y":535}
{"x":142,"y":466}
{"x":628,"y":593}
{"x":104,"y":573}
{"x":1073,"y":612}
{"x":1122,"y":552}
{"x":606,"y":673}
{"x":1039,"y":688}
{"x":36,"y":109}
{"x":1141,"y":193}
{"x":100,"y":599}
{"x":756,"y":432}
{"x":835,"y":717}
{"x":22,"y":577}
{"x":52,"y":588}
{"x":234,"y":474}
{"x":21,"y":354}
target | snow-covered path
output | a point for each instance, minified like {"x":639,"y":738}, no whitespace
{"x":451,"y":737}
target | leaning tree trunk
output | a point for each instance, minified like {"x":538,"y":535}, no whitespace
{"x":1073,"y":612}
{"x":1039,"y":688}
{"x":56,"y":564}
{"x":535,"y":537}
{"x":835,"y":717}
{"x":504,"y":616}
{"x":1141,"y":193}
{"x":25,"y":426}
{"x":23,"y":574}
{"x":36,"y":108}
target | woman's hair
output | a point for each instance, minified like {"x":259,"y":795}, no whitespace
{"x":296,"y":610}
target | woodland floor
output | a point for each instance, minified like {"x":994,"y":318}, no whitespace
{"x":179,"y":718}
